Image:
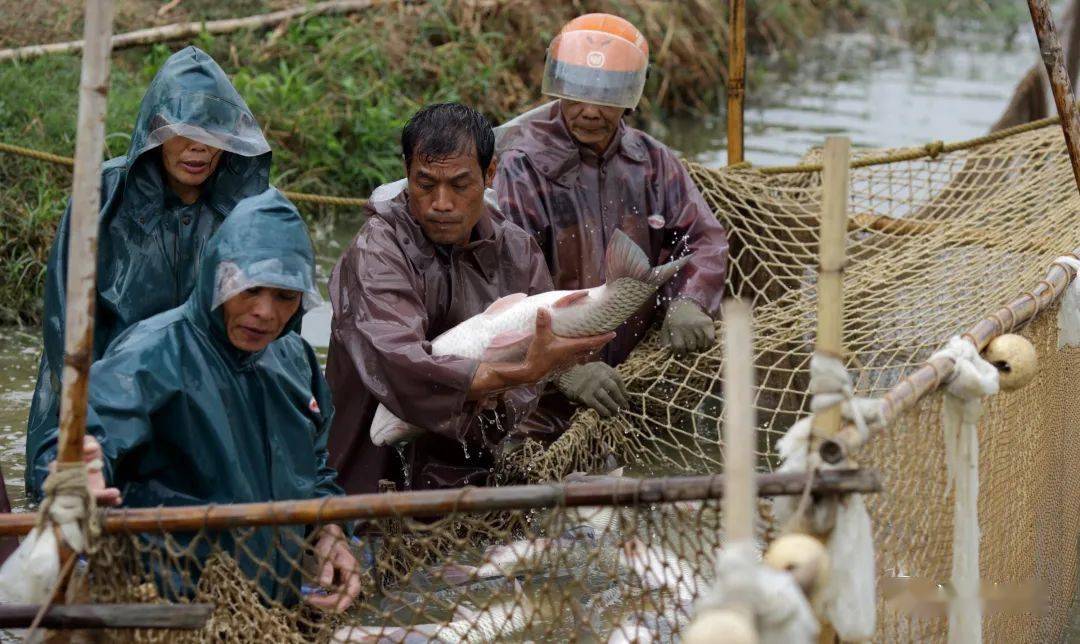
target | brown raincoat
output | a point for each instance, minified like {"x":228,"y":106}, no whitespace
{"x":571,"y":200}
{"x":393,"y":291}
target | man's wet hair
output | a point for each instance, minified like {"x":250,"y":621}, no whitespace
{"x":446,"y":130}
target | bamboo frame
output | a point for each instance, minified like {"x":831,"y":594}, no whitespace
{"x":933,"y":373}
{"x":740,"y":425}
{"x":185,"y":30}
{"x":736,"y":85}
{"x":609,"y":491}
{"x":832,"y":251}
{"x":82,"y":243}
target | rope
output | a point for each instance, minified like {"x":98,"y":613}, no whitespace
{"x":931,"y":150}
{"x":48,"y":157}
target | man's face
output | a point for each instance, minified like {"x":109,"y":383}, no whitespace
{"x":593,"y":126}
{"x":256,"y":317}
{"x":187,"y":162}
{"x":446,"y":196}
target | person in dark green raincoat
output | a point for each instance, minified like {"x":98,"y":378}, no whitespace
{"x":221,"y":401}
{"x":195,"y":153}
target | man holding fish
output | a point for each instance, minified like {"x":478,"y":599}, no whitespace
{"x":572,"y":173}
{"x":435,"y":252}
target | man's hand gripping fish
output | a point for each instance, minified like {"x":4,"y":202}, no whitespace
{"x":504,"y":331}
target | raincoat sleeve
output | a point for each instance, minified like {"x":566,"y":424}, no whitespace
{"x":692,"y":227}
{"x":381,"y":322}
{"x":515,"y":184}
{"x":326,"y":476}
{"x":126,"y":391}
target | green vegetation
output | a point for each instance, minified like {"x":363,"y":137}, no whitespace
{"x":333,"y":92}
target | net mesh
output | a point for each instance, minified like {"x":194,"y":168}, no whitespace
{"x":935,"y":243}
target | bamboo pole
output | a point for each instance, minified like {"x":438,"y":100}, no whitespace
{"x":126,"y":616}
{"x":833,"y":255}
{"x":82,"y":243}
{"x":736,"y":85}
{"x":1054,"y":60}
{"x":470,"y":499}
{"x":931,"y":375}
{"x":185,"y":30}
{"x":740,"y":497}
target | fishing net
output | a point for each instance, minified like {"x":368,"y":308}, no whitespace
{"x":938,"y":238}
{"x":547,"y":574}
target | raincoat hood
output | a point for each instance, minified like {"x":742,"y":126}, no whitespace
{"x":264,"y":242}
{"x":191,"y":96}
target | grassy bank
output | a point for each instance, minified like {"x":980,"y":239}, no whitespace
{"x":333,"y":92}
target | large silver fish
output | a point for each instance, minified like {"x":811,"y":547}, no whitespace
{"x":503,"y":332}
{"x":497,"y":622}
{"x":506,"y":560}
{"x":658,"y":569}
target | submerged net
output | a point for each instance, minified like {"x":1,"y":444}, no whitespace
{"x":936,"y":242}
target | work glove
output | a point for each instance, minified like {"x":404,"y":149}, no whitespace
{"x":595,"y":385}
{"x":687,"y":329}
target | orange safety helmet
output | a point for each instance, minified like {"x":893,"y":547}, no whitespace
{"x":597,"y":58}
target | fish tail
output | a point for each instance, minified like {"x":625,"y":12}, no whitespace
{"x":625,"y":259}
{"x":661,"y":274}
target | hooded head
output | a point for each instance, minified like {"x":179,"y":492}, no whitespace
{"x":192,"y":97}
{"x":263,"y":244}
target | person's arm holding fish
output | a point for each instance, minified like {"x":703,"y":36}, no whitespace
{"x":386,"y":330}
{"x":517,"y":403}
{"x":694,"y":295}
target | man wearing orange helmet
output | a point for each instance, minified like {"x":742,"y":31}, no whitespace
{"x":571,"y":172}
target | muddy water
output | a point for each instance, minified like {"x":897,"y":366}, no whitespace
{"x":879,"y":93}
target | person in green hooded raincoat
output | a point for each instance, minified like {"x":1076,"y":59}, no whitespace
{"x":221,"y":401}
{"x":195,"y":153}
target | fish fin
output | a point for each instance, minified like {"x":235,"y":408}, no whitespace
{"x":661,"y":274}
{"x":508,"y":346}
{"x":624,"y":258}
{"x":569,"y":299}
{"x":388,"y":429}
{"x":456,"y":574}
{"x":504,"y":303}
{"x":617,"y":472}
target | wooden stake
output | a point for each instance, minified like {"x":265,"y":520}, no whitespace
{"x":82,"y":243}
{"x":736,"y":86}
{"x":833,"y":255}
{"x":186,"y":30}
{"x":1054,"y":60}
{"x":740,"y":486}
